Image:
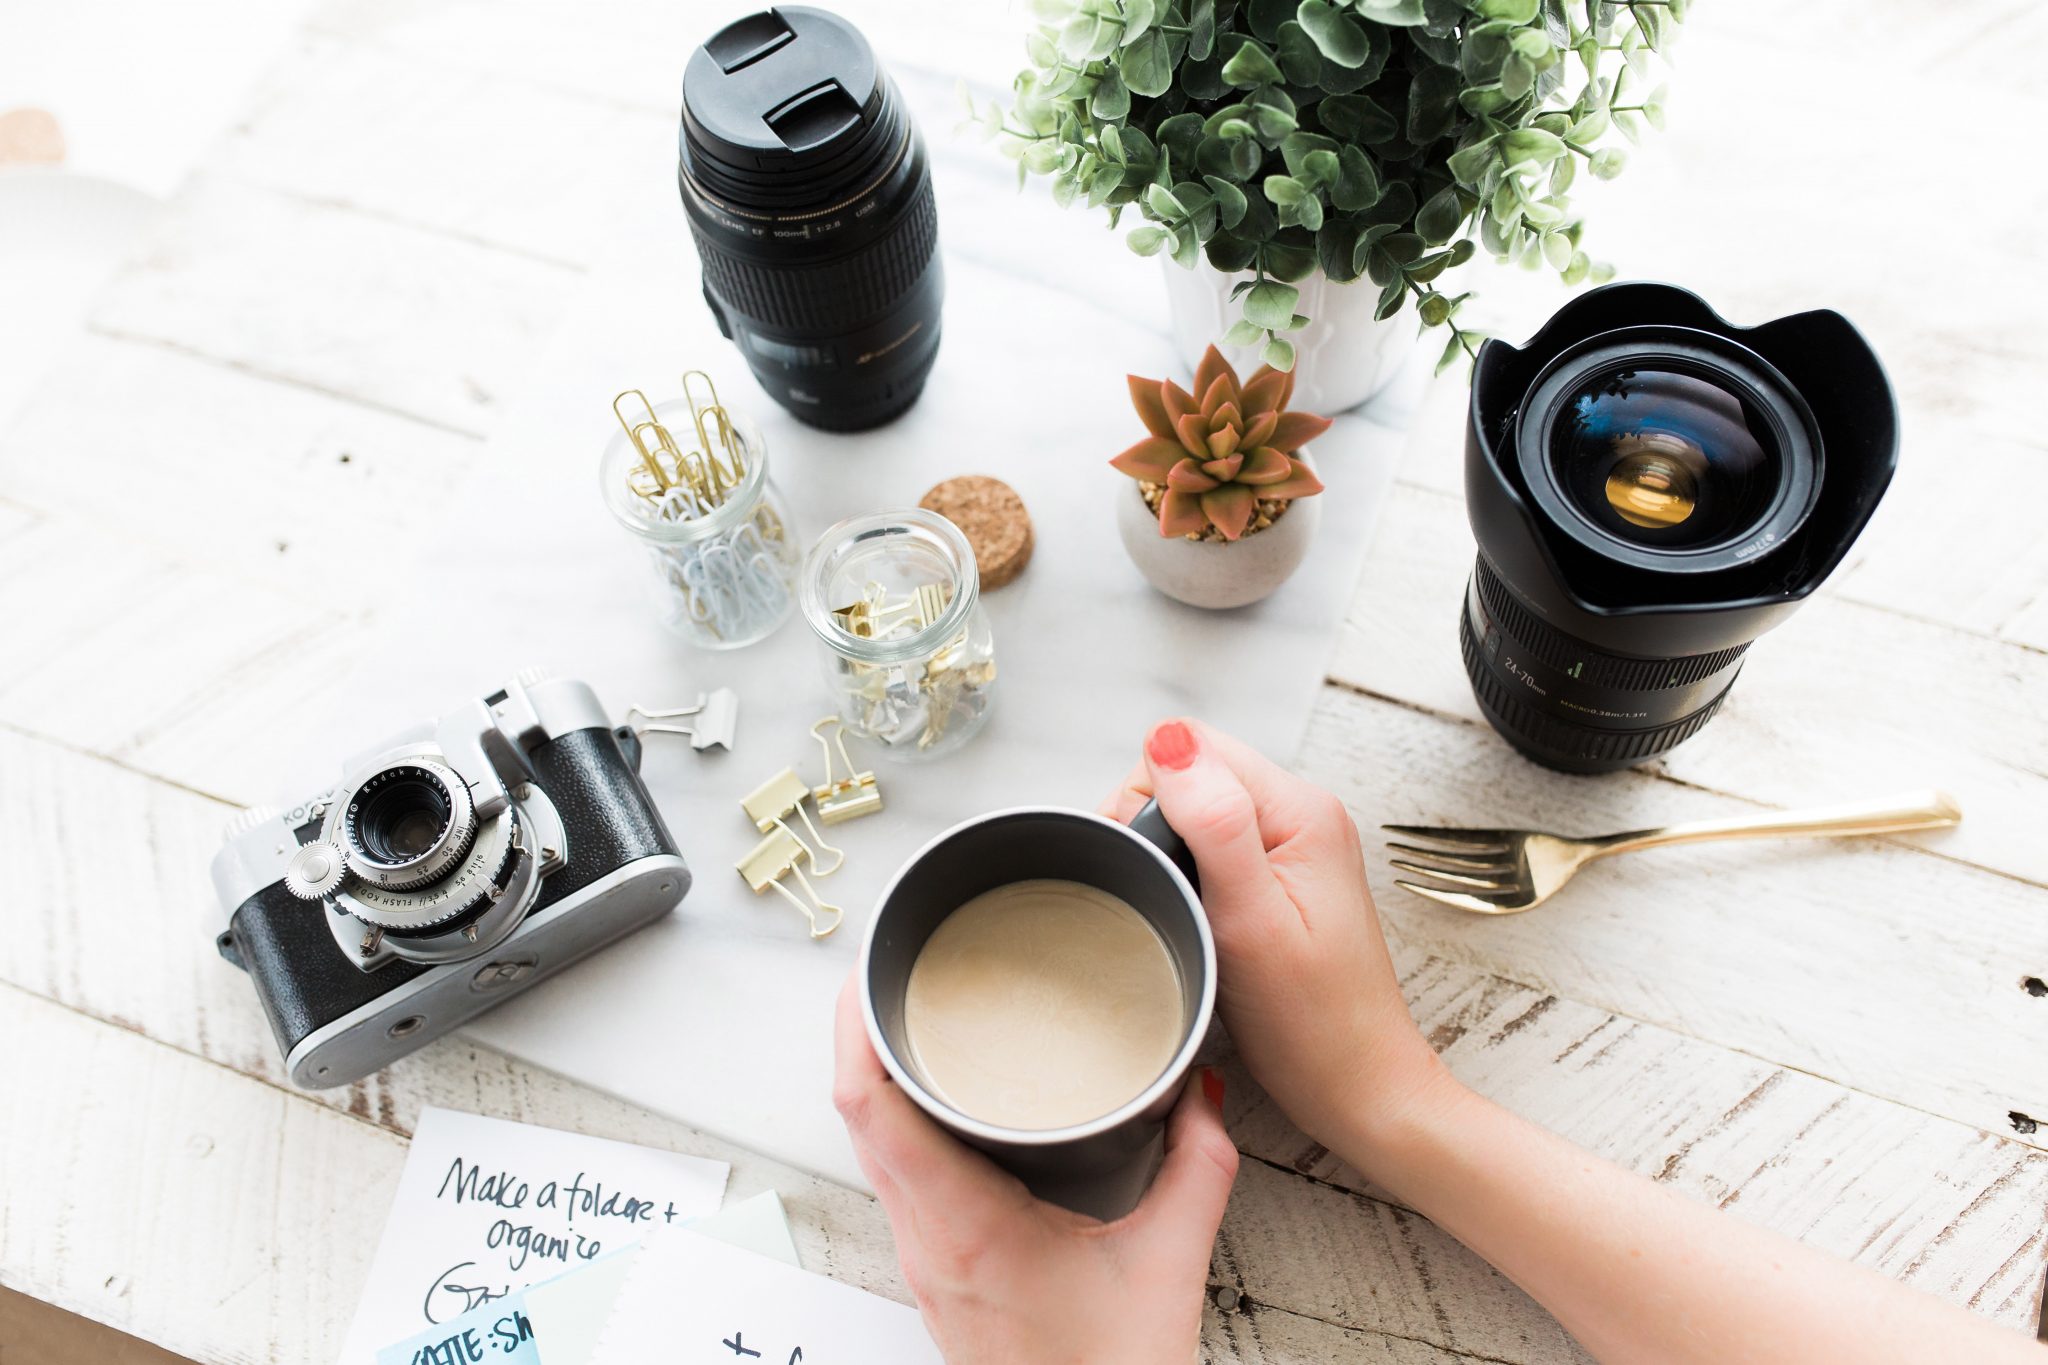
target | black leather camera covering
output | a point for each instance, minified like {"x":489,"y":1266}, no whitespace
{"x":305,"y":981}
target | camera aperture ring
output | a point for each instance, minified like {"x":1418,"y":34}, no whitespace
{"x":478,"y":883}
{"x":1596,"y":668}
{"x":1561,"y":744}
{"x":835,"y":296}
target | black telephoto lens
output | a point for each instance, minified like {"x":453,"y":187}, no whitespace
{"x":1651,"y":489}
{"x":811,"y":201}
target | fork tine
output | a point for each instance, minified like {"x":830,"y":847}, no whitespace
{"x":1458,"y":899}
{"x":1482,"y":862}
{"x":1471,"y":840}
{"x":1461,"y":878}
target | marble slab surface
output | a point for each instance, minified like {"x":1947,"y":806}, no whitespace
{"x":721,"y":1015}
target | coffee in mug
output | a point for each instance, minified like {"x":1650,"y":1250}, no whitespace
{"x":1041,"y":1004}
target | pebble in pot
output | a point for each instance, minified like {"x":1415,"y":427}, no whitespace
{"x":1224,"y":508}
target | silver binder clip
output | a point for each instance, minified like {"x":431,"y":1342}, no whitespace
{"x":717,"y":718}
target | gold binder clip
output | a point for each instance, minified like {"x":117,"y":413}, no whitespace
{"x":778,"y":855}
{"x":771,"y":804}
{"x":842,"y":798}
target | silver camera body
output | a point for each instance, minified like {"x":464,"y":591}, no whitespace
{"x":452,"y":867}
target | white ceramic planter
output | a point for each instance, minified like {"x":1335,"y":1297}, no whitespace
{"x":1217,"y":573}
{"x":1342,"y":358}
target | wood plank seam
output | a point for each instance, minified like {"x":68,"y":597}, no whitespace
{"x":228,"y":805}
{"x":243,"y":367}
{"x":375,"y":215}
{"x":1249,"y":1308}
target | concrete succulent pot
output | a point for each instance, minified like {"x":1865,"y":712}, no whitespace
{"x":1225,"y":503}
{"x":1218,"y":573}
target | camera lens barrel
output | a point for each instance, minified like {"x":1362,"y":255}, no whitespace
{"x":1571,"y":706}
{"x":810,"y":199}
{"x":408,"y":824}
{"x":1651,"y":488}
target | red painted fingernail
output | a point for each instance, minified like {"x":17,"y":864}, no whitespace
{"x":1212,"y":1085}
{"x":1171,"y":745}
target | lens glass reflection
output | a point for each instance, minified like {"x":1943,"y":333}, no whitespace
{"x":1665,"y":458}
{"x":402,"y":819}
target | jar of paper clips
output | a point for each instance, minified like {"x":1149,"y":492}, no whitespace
{"x":690,"y":479}
{"x":909,"y":655}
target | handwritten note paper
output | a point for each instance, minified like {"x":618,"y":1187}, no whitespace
{"x":486,"y":1208}
{"x":692,"y":1301}
{"x":500,"y":1332}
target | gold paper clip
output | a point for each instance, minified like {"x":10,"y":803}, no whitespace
{"x":724,"y":477}
{"x":842,"y":798}
{"x":777,"y":856}
{"x":717,"y":713}
{"x":659,"y":477}
{"x":771,"y":804}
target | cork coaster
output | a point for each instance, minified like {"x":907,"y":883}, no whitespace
{"x":992,"y":517}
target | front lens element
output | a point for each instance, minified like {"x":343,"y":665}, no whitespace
{"x":1664,"y":458}
{"x":403,"y":818}
{"x":408,"y":824}
{"x":1650,"y":485}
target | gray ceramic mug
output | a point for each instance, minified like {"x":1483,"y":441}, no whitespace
{"x":1100,"y":1167}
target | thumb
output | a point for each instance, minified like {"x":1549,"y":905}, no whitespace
{"x":1180,"y":1214}
{"x":1209,"y":807}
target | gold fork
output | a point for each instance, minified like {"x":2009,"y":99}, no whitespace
{"x":1501,"y":871}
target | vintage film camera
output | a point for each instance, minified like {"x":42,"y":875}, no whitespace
{"x":453,"y":867}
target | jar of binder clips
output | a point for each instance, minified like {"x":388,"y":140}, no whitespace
{"x":720,"y":542}
{"x":909,"y":656}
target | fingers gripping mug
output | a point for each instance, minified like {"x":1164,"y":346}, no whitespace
{"x":1055,"y":859}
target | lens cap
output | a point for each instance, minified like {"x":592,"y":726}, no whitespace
{"x":779,"y":90}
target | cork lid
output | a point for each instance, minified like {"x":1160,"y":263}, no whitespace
{"x":992,"y":517}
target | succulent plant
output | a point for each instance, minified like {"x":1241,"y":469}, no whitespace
{"x":1219,"y":452}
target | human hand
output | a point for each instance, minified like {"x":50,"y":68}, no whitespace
{"x":1003,"y":1278}
{"x":1304,"y":980}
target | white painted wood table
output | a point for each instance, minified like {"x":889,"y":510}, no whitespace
{"x":275,"y":396}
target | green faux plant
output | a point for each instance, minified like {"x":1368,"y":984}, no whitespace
{"x":1224,"y":455}
{"x":1390,"y":139}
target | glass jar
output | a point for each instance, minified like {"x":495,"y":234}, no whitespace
{"x":724,"y":570}
{"x":910,"y":658}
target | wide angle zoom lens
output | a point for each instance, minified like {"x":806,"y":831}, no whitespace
{"x":810,"y":201}
{"x":1568,"y":705}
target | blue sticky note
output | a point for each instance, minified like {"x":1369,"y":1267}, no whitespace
{"x":496,"y":1333}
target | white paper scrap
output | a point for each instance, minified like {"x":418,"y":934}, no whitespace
{"x":569,"y":1313}
{"x":692,"y":1301}
{"x":486,"y":1207}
